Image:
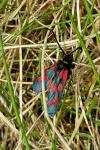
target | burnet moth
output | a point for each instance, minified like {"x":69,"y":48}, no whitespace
{"x":55,"y":79}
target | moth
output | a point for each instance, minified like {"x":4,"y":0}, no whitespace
{"x":55,"y":78}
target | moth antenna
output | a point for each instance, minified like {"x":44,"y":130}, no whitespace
{"x":76,"y":50}
{"x":61,"y":47}
{"x":57,"y":41}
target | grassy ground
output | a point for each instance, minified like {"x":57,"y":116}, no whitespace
{"x":26,"y":48}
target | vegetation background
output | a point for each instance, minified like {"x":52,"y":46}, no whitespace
{"x":26,"y":48}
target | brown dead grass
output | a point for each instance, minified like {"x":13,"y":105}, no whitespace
{"x":24,"y":32}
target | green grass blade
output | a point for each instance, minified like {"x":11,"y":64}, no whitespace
{"x":85,"y":49}
{"x":13,"y":98}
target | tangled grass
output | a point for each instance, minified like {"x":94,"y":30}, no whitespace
{"x":26,"y":48}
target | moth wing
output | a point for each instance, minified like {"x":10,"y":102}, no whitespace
{"x":56,"y":87}
{"x":49,"y":73}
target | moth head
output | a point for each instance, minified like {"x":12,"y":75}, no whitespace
{"x":68,"y":60}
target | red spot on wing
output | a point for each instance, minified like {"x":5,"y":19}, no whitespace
{"x":61,"y":74}
{"x":60,"y":87}
{"x":65,"y":76}
{"x":50,"y":84}
{"x":54,"y":89}
{"x":39,"y":78}
{"x":49,"y":104}
{"x":54,"y":66}
{"x":55,"y":101}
